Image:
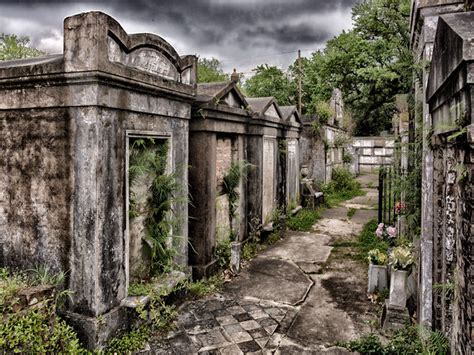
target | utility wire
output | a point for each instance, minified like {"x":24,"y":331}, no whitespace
{"x":264,"y":56}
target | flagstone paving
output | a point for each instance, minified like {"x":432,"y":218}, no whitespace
{"x":300,"y":296}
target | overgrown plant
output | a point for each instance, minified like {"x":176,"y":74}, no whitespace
{"x":230,"y":187}
{"x":149,"y":159}
{"x":34,"y":328}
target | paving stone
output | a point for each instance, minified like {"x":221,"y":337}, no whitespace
{"x":240,"y":337}
{"x":182,"y":344}
{"x":203,"y":315}
{"x":231,"y":350}
{"x":201,"y":326}
{"x":214,"y":305}
{"x":273,"y":341}
{"x":233,"y":328}
{"x":250,"y":324}
{"x":271,"y":328}
{"x":242,"y":317}
{"x":220,"y":312}
{"x":209,"y":352}
{"x":258,"y":314}
{"x":262,"y":342}
{"x":249,"y":346}
{"x":224,"y":320}
{"x":236,"y":310}
{"x":258,"y":333}
{"x":251,"y":307}
{"x":212,"y":340}
{"x":265,"y":322}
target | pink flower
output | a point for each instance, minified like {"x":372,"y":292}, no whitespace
{"x":380,"y":226}
{"x":392,"y":231}
{"x":379,"y":232}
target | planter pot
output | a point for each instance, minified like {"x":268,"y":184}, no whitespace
{"x":235,"y":249}
{"x":398,"y":288}
{"x":378,"y":279}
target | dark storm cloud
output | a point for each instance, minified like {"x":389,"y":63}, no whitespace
{"x":221,"y":28}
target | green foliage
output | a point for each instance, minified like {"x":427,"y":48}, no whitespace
{"x":303,"y":220}
{"x":238,"y":171}
{"x":128,"y":342}
{"x":343,"y":186}
{"x":35,"y":329}
{"x":351,"y":212}
{"x":368,"y":344}
{"x":205,"y":287}
{"x":43,"y":275}
{"x":10,"y":284}
{"x":209,"y":71}
{"x":408,"y":340}
{"x":340,"y":140}
{"x":368,"y":240}
{"x":347,"y":158}
{"x":222,"y":253}
{"x":149,"y":158}
{"x":14,"y":47}
{"x":370,"y":64}
{"x":324,"y":111}
{"x":271,"y":81}
{"x":250,"y":250}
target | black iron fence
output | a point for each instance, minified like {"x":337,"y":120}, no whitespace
{"x":388,"y":195}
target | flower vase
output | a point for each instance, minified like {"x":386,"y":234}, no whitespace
{"x":377,"y":278}
{"x":398,"y":288}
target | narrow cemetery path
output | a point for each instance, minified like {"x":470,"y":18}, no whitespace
{"x":301,"y":295}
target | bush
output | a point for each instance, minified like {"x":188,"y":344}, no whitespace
{"x":37,"y":331}
{"x":368,"y":344}
{"x":408,"y":340}
{"x":303,"y":220}
{"x":133,"y":341}
{"x":343,"y":186}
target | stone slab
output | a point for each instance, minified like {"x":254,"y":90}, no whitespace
{"x":270,"y":279}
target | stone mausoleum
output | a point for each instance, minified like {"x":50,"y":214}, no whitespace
{"x":67,"y":124}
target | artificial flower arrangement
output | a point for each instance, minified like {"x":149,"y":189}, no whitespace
{"x":376,"y":257}
{"x":388,"y":233}
{"x":402,"y":258}
{"x":400,"y":207}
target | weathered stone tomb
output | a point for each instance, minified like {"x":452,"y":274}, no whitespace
{"x":217,"y":144}
{"x":69,"y":124}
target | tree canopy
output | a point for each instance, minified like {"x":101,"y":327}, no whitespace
{"x":370,"y":65}
{"x":209,"y":71}
{"x":271,"y":81}
{"x":14,"y":47}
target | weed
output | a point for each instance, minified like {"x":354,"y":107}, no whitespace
{"x":351,"y":212}
{"x":37,"y":329}
{"x":203,"y":287}
{"x":368,"y":240}
{"x":133,"y":341}
{"x":343,"y":186}
{"x":222,"y":253}
{"x":43,"y":275}
{"x":408,"y":340}
{"x":303,"y":220}
{"x":250,"y":250}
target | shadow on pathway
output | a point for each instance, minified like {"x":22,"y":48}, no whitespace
{"x":303,"y":294}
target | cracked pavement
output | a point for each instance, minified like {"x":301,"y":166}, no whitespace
{"x":298,"y":296}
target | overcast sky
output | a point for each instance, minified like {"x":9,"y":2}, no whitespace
{"x":240,"y":33}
